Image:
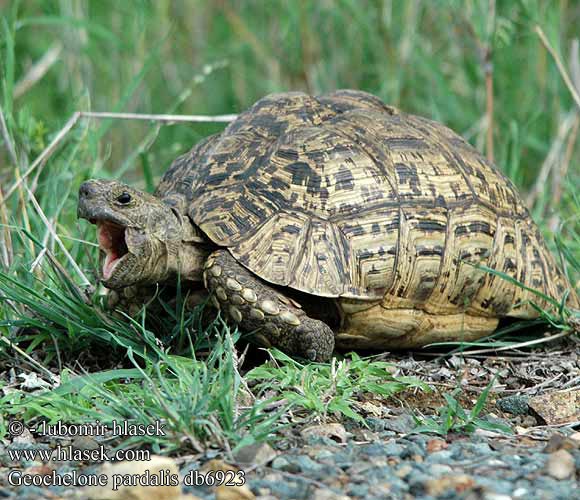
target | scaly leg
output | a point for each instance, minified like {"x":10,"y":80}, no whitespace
{"x":256,"y":306}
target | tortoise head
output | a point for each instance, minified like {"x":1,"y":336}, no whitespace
{"x":139,"y":234}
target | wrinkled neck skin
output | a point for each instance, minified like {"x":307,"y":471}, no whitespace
{"x":186,"y":255}
{"x":172,"y":247}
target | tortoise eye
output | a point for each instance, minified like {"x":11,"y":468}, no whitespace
{"x":124,"y":198}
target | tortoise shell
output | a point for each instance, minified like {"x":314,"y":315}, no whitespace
{"x":340,"y":195}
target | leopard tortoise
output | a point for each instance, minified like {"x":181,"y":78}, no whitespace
{"x":332,"y":219}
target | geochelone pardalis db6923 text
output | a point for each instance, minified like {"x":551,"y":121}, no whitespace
{"x":332,"y":219}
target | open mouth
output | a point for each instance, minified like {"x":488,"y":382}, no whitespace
{"x":111,"y":241}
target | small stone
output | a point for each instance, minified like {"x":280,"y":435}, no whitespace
{"x":269,"y":307}
{"x":324,"y":455}
{"x":520,"y":493}
{"x":256,"y":314}
{"x":370,"y":408}
{"x":376,"y":424}
{"x":436,"y":445}
{"x":374,"y":450}
{"x":289,"y":318}
{"x":84,"y":443}
{"x":25,"y":437}
{"x":393,"y":449}
{"x":557,"y":407}
{"x":216,"y":271}
{"x":225,"y":492}
{"x":458,"y":483}
{"x":255,"y":454}
{"x":514,"y":405}
{"x":282,"y":463}
{"x":558,"y":441}
{"x":404,"y":471}
{"x":403,"y":424}
{"x":442,"y":456}
{"x":162,"y":467}
{"x":221,"y":294}
{"x":39,"y":470}
{"x":235,"y":314}
{"x":560,"y":465}
{"x":334,"y":431}
{"x":494,"y":462}
{"x":217,"y":464}
{"x":440,"y":469}
{"x":249,"y":295}
{"x":322,"y":494}
{"x":233,"y":285}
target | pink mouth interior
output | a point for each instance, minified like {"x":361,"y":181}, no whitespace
{"x":112,"y":241}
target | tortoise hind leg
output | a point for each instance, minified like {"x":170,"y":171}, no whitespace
{"x":256,"y":306}
{"x":380,"y":328}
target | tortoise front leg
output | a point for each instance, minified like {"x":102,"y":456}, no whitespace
{"x":257,"y":306}
{"x":130,"y":299}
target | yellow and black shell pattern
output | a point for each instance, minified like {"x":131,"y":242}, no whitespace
{"x":340,"y":195}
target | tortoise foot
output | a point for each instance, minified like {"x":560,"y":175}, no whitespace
{"x":258,"y":307}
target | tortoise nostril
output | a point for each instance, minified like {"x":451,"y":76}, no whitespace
{"x":87,"y":189}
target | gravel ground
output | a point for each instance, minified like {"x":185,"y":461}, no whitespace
{"x":387,"y":459}
{"x":389,"y":465}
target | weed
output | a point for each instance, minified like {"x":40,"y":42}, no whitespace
{"x":328,"y":389}
{"x":453,"y":418}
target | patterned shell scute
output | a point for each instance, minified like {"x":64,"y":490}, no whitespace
{"x":341,"y":195}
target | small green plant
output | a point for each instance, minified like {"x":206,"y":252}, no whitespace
{"x":454,"y":418}
{"x":326,"y":389}
{"x":194,"y":395}
{"x":194,"y":399}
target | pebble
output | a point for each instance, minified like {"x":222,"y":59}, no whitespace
{"x":327,"y":494}
{"x":324,"y":455}
{"x":457,"y":482}
{"x":260,"y":454}
{"x":156,"y":466}
{"x":560,"y":464}
{"x":496,"y":496}
{"x":436,"y":445}
{"x":393,"y":449}
{"x":443,"y":456}
{"x":333,"y":431}
{"x":514,"y":405}
{"x":440,"y":469}
{"x":282,"y":463}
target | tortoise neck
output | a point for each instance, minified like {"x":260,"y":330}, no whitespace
{"x":186,"y":255}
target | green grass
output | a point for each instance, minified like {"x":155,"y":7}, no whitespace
{"x":454,"y":418}
{"x":219,"y":57}
{"x":328,"y":389}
